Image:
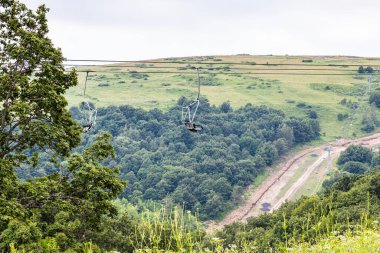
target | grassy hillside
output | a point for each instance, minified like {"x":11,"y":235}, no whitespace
{"x":295,"y":94}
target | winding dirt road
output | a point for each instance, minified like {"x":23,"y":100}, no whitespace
{"x":280,"y":185}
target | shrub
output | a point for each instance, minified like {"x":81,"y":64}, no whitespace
{"x":375,"y":99}
{"x":355,"y":167}
{"x":312,"y":114}
{"x":355,"y":153}
{"x":369,"y":70}
{"x":342,"y":117}
{"x":301,"y":105}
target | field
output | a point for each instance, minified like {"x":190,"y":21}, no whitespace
{"x":279,"y":86}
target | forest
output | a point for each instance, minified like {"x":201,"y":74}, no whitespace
{"x":204,"y":172}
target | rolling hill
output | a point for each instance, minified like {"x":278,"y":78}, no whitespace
{"x":294,"y":84}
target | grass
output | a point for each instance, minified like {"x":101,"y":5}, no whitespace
{"x":361,"y":237}
{"x":178,"y":231}
{"x":297,"y":174}
{"x":260,"y":179}
{"x":175,"y":231}
{"x":278,"y":91}
{"x":367,"y":241}
{"x":314,"y":183}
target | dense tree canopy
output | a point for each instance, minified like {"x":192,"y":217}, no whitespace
{"x":203,"y":171}
{"x":355,"y":167}
{"x":65,"y":209}
{"x":355,"y":153}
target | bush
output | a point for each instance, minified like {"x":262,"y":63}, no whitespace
{"x":355,"y":167}
{"x":225,"y":107}
{"x":312,"y":114}
{"x":369,"y":70}
{"x":301,"y":105}
{"x":342,"y":117}
{"x":362,"y":70}
{"x":375,"y":99}
{"x":355,"y":153}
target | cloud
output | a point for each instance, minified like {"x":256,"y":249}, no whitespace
{"x":140,"y":29}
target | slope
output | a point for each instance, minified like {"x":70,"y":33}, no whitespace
{"x":278,"y":86}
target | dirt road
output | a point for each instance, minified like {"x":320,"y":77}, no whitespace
{"x":288,"y":178}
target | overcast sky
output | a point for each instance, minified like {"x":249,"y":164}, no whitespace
{"x":147,"y":29}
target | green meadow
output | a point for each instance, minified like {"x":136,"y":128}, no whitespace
{"x":279,"y":86}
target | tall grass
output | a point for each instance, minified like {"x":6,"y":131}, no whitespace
{"x":168,"y":231}
{"x":176,"y":231}
{"x":324,"y":233}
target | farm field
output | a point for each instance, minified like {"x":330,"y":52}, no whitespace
{"x":290,"y":88}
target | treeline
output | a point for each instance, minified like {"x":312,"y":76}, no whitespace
{"x":205,"y":172}
{"x":363,"y":70}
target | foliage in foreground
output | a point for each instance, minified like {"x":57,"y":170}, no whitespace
{"x":366,"y":241}
{"x":33,"y":111}
{"x":60,"y":210}
{"x":332,"y":223}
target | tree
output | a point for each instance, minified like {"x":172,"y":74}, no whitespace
{"x":355,"y":153}
{"x":225,"y":107}
{"x":375,"y":99}
{"x":369,"y":70}
{"x":281,"y":146}
{"x":376,"y":160}
{"x":214,"y":205}
{"x":285,"y":132}
{"x":342,"y":117}
{"x":355,"y":167}
{"x":268,"y":152}
{"x":369,"y":120}
{"x":55,"y":212}
{"x":312,"y":114}
{"x":304,"y":129}
{"x":68,"y":208}
{"x":361,"y":70}
{"x":32,"y":84}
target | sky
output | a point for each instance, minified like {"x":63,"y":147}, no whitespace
{"x":150,"y":29}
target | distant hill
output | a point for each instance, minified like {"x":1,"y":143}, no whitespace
{"x":298,"y":85}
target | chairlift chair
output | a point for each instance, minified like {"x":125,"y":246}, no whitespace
{"x":188,"y":116}
{"x":89,"y":111}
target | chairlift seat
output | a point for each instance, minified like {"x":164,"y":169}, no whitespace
{"x":193,"y":127}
